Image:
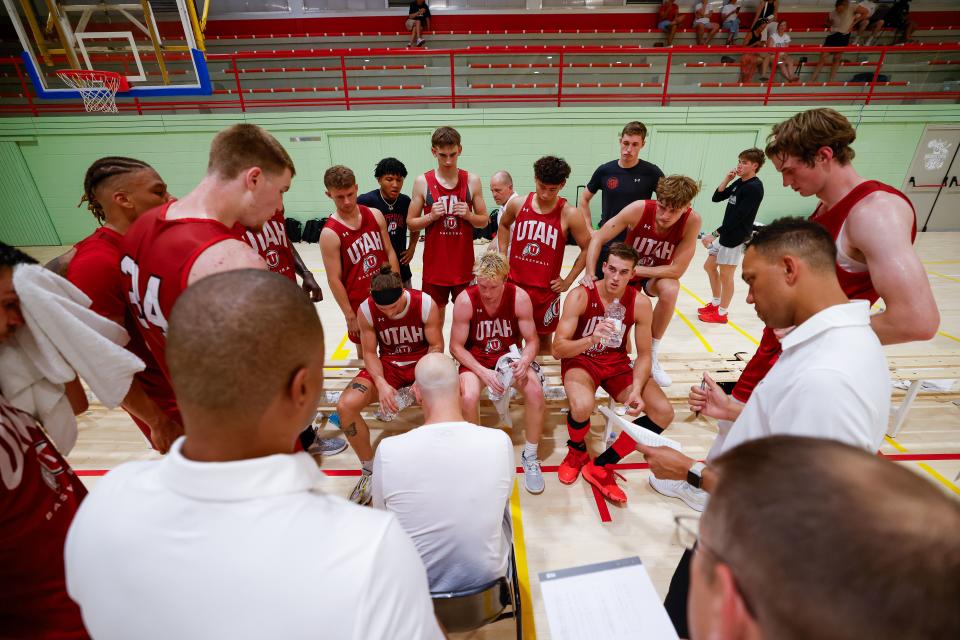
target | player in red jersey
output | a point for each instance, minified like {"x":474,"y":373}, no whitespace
{"x":448,"y":203}
{"x":175,"y":245}
{"x":664,"y":234}
{"x":536,"y":227}
{"x":117,"y":191}
{"x":397,"y":327}
{"x":273,"y":245}
{"x":488,"y":318}
{"x":39,"y":496}
{"x":586,"y":364}
{"x":873,"y":224}
{"x":355,"y":244}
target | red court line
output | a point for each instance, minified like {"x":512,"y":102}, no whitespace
{"x":601,"y":505}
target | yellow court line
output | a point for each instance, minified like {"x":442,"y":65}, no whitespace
{"x":940,"y":275}
{"x":523,"y":572}
{"x":947,"y":335}
{"x":729,"y":323}
{"x":930,"y":470}
{"x":941,"y":262}
{"x":341,"y":352}
{"x":697,"y":333}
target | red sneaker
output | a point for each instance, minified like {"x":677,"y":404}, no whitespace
{"x":710,"y":307}
{"x":571,"y":465}
{"x":604,"y":480}
{"x":712,"y":316}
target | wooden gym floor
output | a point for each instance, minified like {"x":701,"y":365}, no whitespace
{"x":566,"y":525}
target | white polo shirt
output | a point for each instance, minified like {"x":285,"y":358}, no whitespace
{"x":449,"y":485}
{"x":831,"y":381}
{"x":249,"y":549}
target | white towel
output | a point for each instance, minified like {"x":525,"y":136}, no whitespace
{"x":61,"y":339}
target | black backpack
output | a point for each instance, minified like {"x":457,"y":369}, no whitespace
{"x":311,"y":231}
{"x":294,"y":229}
{"x":868,"y":77}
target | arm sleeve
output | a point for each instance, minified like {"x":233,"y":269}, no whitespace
{"x":720,"y":196}
{"x":397,"y":600}
{"x":594,"y":184}
{"x":748,"y":201}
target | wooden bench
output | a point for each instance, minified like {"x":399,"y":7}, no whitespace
{"x":915,"y":369}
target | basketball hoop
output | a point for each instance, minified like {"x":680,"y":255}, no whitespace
{"x":97,"y":88}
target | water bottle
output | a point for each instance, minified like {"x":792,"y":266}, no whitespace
{"x":616,"y":313}
{"x":404,"y":398}
{"x":504,"y":371}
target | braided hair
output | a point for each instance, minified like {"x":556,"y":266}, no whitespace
{"x":101,"y":170}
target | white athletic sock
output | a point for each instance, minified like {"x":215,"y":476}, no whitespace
{"x":367,"y":467}
{"x":530,"y":451}
{"x":656,"y":345}
{"x":721,"y":311}
{"x":715,"y":302}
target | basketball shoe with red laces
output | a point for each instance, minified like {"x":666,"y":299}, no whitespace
{"x":713,"y":316}
{"x":570,"y":467}
{"x":604,"y":480}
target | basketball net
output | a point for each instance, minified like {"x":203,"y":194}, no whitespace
{"x":97,"y":88}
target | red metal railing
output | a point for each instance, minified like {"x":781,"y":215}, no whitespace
{"x":559,"y":91}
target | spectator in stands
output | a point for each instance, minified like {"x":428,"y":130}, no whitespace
{"x":418,"y":22}
{"x":668,"y":19}
{"x":460,"y":526}
{"x":387,"y":199}
{"x":872,"y":21}
{"x":39,"y":497}
{"x":730,"y":19}
{"x":779,"y":37}
{"x":702,"y":25}
{"x":772,"y":561}
{"x":840,"y":21}
{"x":767,"y":12}
{"x":897,"y":18}
{"x":750,"y":62}
{"x":196,"y":544}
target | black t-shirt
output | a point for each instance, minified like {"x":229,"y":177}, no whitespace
{"x":743,"y":202}
{"x":396,"y":217}
{"x":414,"y":7}
{"x":622,"y":186}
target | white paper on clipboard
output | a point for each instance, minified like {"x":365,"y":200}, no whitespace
{"x":612,"y":600}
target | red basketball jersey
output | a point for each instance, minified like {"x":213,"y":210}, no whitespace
{"x":857,"y":285}
{"x":655,"y":249}
{"x":157,"y":257}
{"x":594,"y":313}
{"x":536,"y":245}
{"x":39,"y":497}
{"x":448,"y":252}
{"x":401,"y":339}
{"x":361,"y":254}
{"x":491,"y":334}
{"x":95,"y":270}
{"x":272,"y":245}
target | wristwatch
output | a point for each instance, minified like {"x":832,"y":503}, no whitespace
{"x":695,"y":475}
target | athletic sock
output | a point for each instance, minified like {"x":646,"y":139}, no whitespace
{"x":647,"y":423}
{"x":722,"y":311}
{"x":656,"y":345}
{"x":578,"y":432}
{"x":715,"y":302}
{"x":367,"y":466}
{"x":530,"y":451}
{"x":616,"y":452}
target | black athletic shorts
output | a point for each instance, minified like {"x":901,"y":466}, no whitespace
{"x":837,"y":40}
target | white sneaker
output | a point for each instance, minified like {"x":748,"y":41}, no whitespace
{"x":695,"y":498}
{"x":659,"y":375}
{"x":362,"y":493}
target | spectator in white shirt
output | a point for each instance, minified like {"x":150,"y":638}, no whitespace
{"x":730,"y":19}
{"x":779,"y":37}
{"x":230,"y":535}
{"x":704,"y":28}
{"x":448,"y":483}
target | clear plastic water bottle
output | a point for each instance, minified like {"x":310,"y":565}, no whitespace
{"x":403,"y":398}
{"x":616,"y":313}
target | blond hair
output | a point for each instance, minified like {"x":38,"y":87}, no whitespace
{"x":492,"y":265}
{"x":677,"y":191}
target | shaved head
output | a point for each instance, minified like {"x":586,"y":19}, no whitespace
{"x":437,"y":376}
{"x":502,"y":177}
{"x":237,"y":339}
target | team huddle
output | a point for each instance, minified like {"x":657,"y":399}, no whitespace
{"x":506,"y":303}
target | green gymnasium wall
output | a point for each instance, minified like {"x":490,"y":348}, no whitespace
{"x":44,"y":159}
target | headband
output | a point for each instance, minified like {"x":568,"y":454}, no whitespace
{"x":386,"y":297}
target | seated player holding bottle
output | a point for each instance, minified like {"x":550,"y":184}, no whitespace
{"x":592,"y":351}
{"x":397,"y":327}
{"x":488,"y":318}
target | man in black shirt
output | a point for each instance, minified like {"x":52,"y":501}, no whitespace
{"x":726,"y":243}
{"x":390,"y":173}
{"x":418,"y":21}
{"x":622,"y":181}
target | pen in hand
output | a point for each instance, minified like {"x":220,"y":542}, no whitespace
{"x":703,"y":386}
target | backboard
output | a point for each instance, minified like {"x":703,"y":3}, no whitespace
{"x":156,"y":44}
